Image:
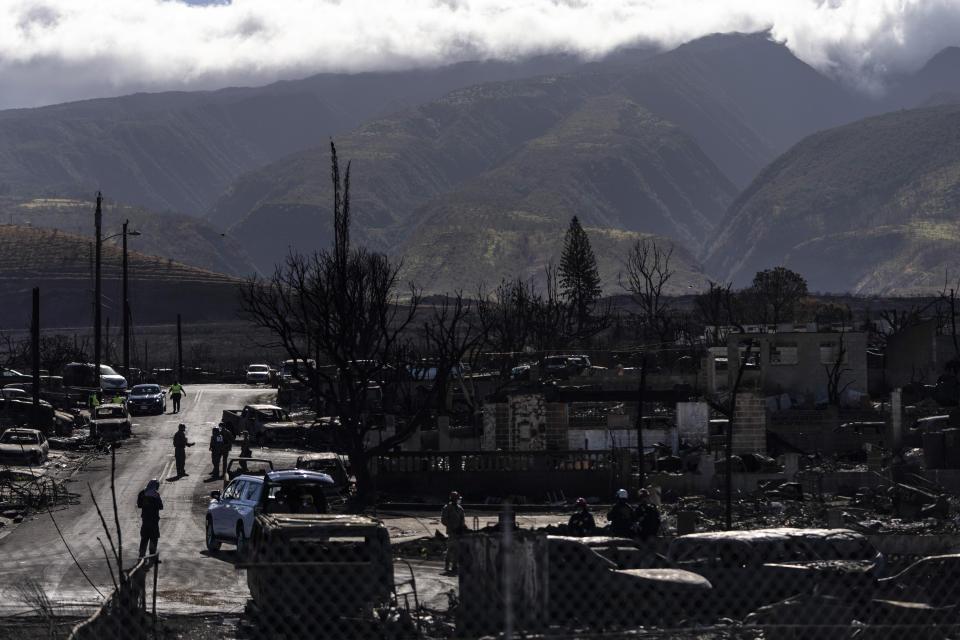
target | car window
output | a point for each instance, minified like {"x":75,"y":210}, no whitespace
{"x":253,"y":491}
{"x":233,"y":490}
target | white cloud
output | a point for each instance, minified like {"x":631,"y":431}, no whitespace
{"x":57,"y":50}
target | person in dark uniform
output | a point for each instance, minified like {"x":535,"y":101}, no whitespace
{"x":648,"y":516}
{"x":228,"y":438}
{"x":621,"y":516}
{"x":581,"y":523}
{"x":216,"y":451}
{"x":150,"y":505}
{"x":180,"y":445}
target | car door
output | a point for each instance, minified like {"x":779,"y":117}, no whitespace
{"x":247,"y":504}
{"x":224,"y":513}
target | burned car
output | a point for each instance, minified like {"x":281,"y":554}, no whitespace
{"x":110,"y":422}
{"x":333,"y":465}
{"x":617,"y":596}
{"x":266,"y":423}
{"x":752,"y":568}
{"x":23,"y":447}
{"x":290,"y":550}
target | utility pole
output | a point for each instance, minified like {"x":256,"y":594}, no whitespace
{"x":98,"y":221}
{"x":126,"y":309}
{"x":35,"y":349}
{"x":179,"y":351}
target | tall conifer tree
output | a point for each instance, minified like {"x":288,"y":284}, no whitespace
{"x":579,"y":276}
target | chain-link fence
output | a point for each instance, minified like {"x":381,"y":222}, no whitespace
{"x":339,"y":576}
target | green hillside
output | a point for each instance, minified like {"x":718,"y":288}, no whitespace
{"x":621,"y":170}
{"x":175,"y":236}
{"x":871,"y":207}
{"x":62,"y":266}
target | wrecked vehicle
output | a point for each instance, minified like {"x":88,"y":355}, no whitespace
{"x":23,"y":447}
{"x":617,"y":596}
{"x":932,"y":582}
{"x":110,"y":422}
{"x":333,"y":465}
{"x":289,"y":551}
{"x":752,"y":568}
{"x":246,"y":466}
{"x":231,"y":513}
{"x":266,"y":423}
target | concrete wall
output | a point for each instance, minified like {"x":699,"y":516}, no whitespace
{"x":693,"y":421}
{"x":526,"y":422}
{"x":750,"y":424}
{"x":792,"y":362}
{"x":917,"y":354}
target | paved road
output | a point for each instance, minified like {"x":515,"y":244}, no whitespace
{"x":191,"y":579}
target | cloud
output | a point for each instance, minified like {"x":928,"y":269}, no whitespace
{"x":58,"y":50}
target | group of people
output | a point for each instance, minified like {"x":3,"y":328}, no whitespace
{"x":641,"y":521}
{"x":149,"y":501}
{"x":222,"y":440}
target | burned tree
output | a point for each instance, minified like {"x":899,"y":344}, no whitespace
{"x":776,"y":291}
{"x":342,"y":308}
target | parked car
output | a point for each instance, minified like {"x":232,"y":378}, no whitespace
{"x":231,"y":512}
{"x":752,"y":568}
{"x":147,"y":398}
{"x":12,"y":375}
{"x":258,"y":374}
{"x":23,"y":447}
{"x":82,"y":374}
{"x":266,"y":423}
{"x":110,"y":422}
{"x":617,"y":596}
{"x":14,"y":393}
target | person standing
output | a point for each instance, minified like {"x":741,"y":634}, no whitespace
{"x":216,"y":451}
{"x":621,"y":516}
{"x":648,"y":516}
{"x":581,"y":523}
{"x":180,"y":445}
{"x":176,"y":390}
{"x":150,"y":505}
{"x":228,"y":439}
{"x":454,"y":520}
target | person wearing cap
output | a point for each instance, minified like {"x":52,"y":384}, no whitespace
{"x":150,"y":505}
{"x":648,"y":516}
{"x":180,"y":445}
{"x":454,"y":520}
{"x":581,"y":523}
{"x":621,"y":516}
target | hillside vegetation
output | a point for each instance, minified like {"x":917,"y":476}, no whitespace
{"x":624,"y":172}
{"x":62,"y":266}
{"x":870,"y":207}
{"x":173,"y":236}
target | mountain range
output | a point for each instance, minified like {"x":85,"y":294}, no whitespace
{"x":728,"y":148}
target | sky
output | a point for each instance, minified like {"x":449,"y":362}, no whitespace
{"x":55,"y":51}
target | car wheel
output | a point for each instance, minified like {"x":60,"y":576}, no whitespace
{"x":212,"y":543}
{"x":241,"y":541}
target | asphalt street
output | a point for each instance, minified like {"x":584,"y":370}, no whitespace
{"x":60,"y":550}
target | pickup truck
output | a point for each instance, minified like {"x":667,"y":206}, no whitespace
{"x":315,"y":569}
{"x":266,"y":423}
